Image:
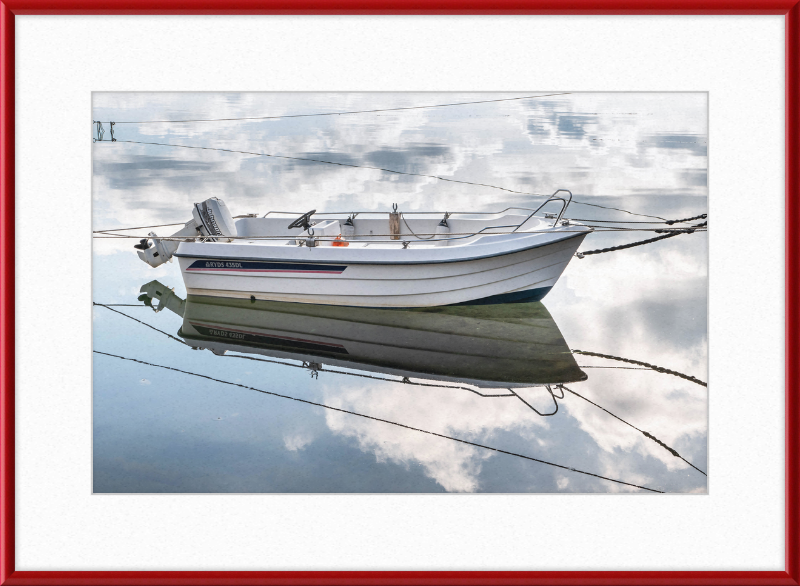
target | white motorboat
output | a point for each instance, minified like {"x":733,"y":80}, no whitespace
{"x":489,"y":347}
{"x":370,"y":259}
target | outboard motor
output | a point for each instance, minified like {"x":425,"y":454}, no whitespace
{"x":211,"y":220}
{"x":214,"y":220}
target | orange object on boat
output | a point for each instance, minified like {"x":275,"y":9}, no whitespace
{"x":339,"y":242}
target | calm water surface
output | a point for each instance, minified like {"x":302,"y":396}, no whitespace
{"x":403,"y":387}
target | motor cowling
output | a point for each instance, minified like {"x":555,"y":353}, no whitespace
{"x":214,"y":220}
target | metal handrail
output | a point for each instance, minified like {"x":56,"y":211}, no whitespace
{"x":406,"y":213}
{"x":407,"y":242}
{"x":471,"y":234}
{"x":564,"y":205}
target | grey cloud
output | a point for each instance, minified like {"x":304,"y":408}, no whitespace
{"x":574,"y":125}
{"x":411,"y":158}
{"x":537,"y":128}
{"x":696,"y":177}
{"x":562,"y":124}
{"x":146,"y":171}
{"x":693,"y":143}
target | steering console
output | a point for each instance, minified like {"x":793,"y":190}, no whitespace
{"x":303,"y":221}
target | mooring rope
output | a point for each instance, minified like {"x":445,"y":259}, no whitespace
{"x":670,"y":234}
{"x":645,"y":364}
{"x":700,"y":217}
{"x":646,"y":434}
{"x":401,"y":425}
{"x":669,"y":222}
{"x":596,"y":205}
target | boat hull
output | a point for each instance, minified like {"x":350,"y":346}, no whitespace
{"x":521,"y":275}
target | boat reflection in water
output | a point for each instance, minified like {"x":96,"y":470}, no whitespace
{"x":511,"y":350}
{"x":513,"y":346}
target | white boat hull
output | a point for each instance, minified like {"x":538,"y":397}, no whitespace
{"x":504,"y":269}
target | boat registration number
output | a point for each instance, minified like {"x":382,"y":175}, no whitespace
{"x":225,"y":334}
{"x":223,"y":265}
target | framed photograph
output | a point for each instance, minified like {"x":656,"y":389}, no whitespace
{"x":399,"y":293}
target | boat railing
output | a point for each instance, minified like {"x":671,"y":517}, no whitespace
{"x":376,"y":212}
{"x":564,"y":205}
{"x":534,"y":211}
{"x":470,"y":235}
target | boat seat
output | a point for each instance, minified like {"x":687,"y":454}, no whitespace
{"x":328,"y":229}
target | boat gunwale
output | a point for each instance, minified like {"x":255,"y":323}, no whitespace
{"x":380,"y":263}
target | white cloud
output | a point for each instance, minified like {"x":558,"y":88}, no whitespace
{"x":297,"y":442}
{"x":456,"y":413}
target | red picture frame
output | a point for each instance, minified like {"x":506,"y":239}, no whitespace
{"x":9,"y":8}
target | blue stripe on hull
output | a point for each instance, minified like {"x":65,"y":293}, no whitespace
{"x":527,"y":296}
{"x":244,"y":266}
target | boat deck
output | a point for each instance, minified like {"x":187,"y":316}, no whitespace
{"x":374,"y":230}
